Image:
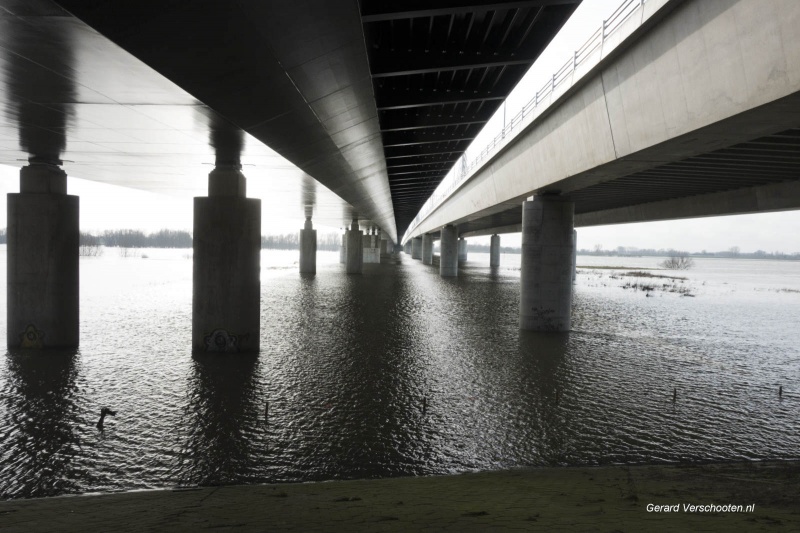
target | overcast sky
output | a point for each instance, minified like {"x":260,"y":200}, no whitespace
{"x":110,"y":207}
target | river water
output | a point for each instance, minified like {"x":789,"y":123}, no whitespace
{"x":400,"y":372}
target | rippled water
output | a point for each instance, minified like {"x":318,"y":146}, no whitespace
{"x":347,"y":360}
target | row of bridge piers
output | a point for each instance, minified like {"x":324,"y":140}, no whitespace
{"x":43,"y":274}
{"x":547,"y":271}
{"x":43,"y":283}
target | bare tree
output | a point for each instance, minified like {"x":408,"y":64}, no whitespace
{"x":679,"y":261}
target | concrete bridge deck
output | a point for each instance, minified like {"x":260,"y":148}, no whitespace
{"x":613,"y":498}
{"x":693,"y":113}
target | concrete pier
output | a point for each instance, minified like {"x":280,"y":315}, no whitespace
{"x":462,"y":250}
{"x":407,"y":247}
{"x":308,"y":248}
{"x":546,"y":265}
{"x":227,"y":266}
{"x":355,"y":251}
{"x":448,"y":258}
{"x":371,"y":243}
{"x":385,"y":247}
{"x":427,"y":249}
{"x":343,"y":248}
{"x":416,"y":248}
{"x":494,"y":251}
{"x":42,"y":256}
{"x":574,"y":255}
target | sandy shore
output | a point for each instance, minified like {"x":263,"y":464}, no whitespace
{"x":614,"y":498}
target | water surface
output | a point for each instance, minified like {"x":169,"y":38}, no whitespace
{"x":347,"y":362}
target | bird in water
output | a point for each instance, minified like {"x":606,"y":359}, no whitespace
{"x":103,"y":412}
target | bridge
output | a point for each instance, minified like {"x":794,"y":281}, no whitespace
{"x":691,"y":110}
{"x":352,"y":113}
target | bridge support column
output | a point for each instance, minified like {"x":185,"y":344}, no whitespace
{"x":308,"y":248}
{"x":462,"y":250}
{"x":343,"y":247}
{"x":226,"y":300}
{"x":384,"y":244}
{"x":371,"y":244}
{"x":427,"y":249}
{"x":42,"y":260}
{"x":416,"y":248}
{"x":494,"y":251}
{"x":448,"y":254}
{"x":574,"y":255}
{"x":355,"y":250}
{"x":546,"y":277}
{"x":407,"y":247}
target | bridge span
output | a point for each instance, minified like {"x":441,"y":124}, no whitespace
{"x":693,"y":111}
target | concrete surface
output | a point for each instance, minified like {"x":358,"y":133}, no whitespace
{"x":355,"y":252}
{"x":708,"y":75}
{"x":427,"y":249}
{"x":308,"y":249}
{"x":226,"y":288}
{"x":43,"y":279}
{"x":448,"y":252}
{"x":546,"y":264}
{"x":416,"y":248}
{"x":613,"y":498}
{"x":494,"y":251}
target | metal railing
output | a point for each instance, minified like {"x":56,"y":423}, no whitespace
{"x":462,"y":170}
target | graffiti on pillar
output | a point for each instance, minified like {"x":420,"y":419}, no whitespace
{"x":31,"y":337}
{"x":221,"y":340}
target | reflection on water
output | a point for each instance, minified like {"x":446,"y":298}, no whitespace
{"x":400,"y":372}
{"x":40,"y":415}
{"x":221,"y":420}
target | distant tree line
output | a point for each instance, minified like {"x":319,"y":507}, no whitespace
{"x":485,"y":249}
{"x":629,"y":251}
{"x":291,"y":241}
{"x":731,"y":253}
{"x":166,"y":238}
{"x":132,"y":238}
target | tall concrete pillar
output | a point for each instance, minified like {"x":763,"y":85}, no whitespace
{"x":462,"y":250}
{"x":407,"y":247}
{"x":308,"y":248}
{"x":42,"y":255}
{"x":494,"y":251}
{"x":427,"y":249}
{"x":448,"y":253}
{"x":343,"y":247}
{"x":416,"y":248}
{"x":355,"y":250}
{"x":226,"y":301}
{"x":371,"y":246}
{"x":574,"y":254}
{"x":384,"y":243}
{"x":546,"y":268}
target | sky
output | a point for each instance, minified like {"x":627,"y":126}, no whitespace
{"x":110,"y":207}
